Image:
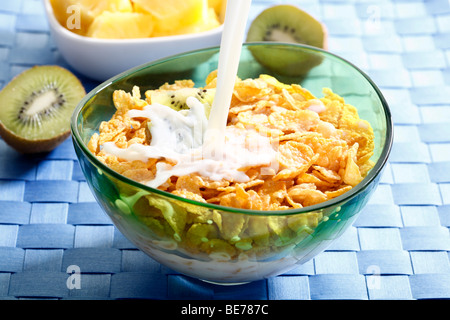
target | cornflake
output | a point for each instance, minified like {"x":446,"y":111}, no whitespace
{"x":323,"y":151}
{"x":320,"y":154}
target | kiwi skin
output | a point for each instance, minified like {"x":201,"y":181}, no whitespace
{"x":31,"y":146}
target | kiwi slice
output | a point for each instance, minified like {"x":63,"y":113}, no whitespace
{"x":176,"y":99}
{"x":288,"y":24}
{"x":36,"y":107}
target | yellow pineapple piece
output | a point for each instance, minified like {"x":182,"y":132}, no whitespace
{"x":171,"y":16}
{"x":121,"y":25}
{"x":114,"y":5}
{"x":219,"y":7}
{"x":78,"y":15}
{"x":215,"y":4}
{"x":211,"y":21}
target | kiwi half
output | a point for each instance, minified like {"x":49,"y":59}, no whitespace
{"x":36,"y":106}
{"x":288,"y":24}
{"x":176,"y":99}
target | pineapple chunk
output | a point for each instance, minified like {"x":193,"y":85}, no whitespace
{"x":215,"y":4}
{"x":219,"y":7}
{"x":114,"y":18}
{"x":121,"y":25}
{"x":211,"y":21}
{"x":78,"y":15}
{"x":172,"y":16}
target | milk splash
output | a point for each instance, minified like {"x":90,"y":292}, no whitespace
{"x":193,"y":143}
{"x":178,"y":136}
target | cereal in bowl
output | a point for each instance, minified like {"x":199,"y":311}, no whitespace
{"x":284,"y":149}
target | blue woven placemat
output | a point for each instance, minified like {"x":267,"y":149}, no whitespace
{"x":397,"y":249}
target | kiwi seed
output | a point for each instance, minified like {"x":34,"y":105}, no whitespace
{"x":36,"y":107}
{"x":176,"y":99}
{"x":287,"y":24}
{"x":58,"y":102}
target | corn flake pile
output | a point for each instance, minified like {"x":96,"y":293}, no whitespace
{"x":324,"y":148}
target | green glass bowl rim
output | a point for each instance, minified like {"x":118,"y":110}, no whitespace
{"x":338,"y":201}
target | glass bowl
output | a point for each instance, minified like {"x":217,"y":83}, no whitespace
{"x":268,"y":243}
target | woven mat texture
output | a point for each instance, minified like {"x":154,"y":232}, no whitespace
{"x":397,"y":249}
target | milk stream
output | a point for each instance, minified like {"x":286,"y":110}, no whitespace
{"x":188,"y":141}
{"x":236,"y":17}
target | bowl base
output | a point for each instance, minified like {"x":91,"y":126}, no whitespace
{"x":225,"y":283}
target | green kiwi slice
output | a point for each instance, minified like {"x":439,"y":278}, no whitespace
{"x":36,"y":107}
{"x":176,"y":99}
{"x":288,"y":24}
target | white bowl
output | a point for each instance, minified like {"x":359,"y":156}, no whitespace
{"x":101,"y":59}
